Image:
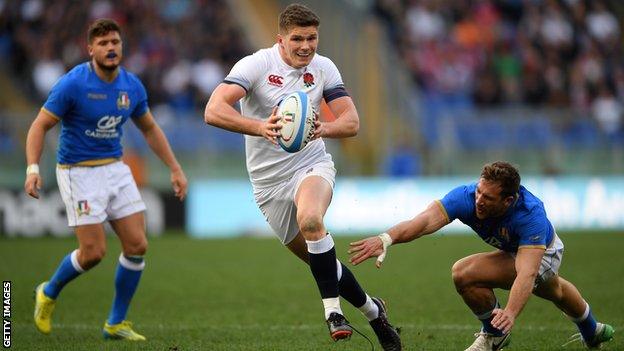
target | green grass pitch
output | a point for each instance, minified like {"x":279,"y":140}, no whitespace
{"x":252,"y":294}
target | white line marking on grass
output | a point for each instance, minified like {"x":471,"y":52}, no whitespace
{"x":177,"y":326}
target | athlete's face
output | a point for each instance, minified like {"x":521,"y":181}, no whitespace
{"x":489,"y":201}
{"x":106,"y":50}
{"x":298,"y":45}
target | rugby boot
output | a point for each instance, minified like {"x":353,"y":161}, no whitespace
{"x":604,"y":333}
{"x":489,"y":342}
{"x":44,"y":306}
{"x":339,"y":327}
{"x":121,"y":331}
{"x":387,"y":335}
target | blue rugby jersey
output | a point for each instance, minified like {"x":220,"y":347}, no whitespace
{"x":524,"y":224}
{"x":92,"y":113}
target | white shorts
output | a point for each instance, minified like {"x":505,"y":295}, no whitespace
{"x":550,"y":262}
{"x":95,"y":194}
{"x":277,"y":203}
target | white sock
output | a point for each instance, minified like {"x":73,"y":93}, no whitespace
{"x":581,"y":318}
{"x":369,"y":309}
{"x":320,"y":246}
{"x":331,"y":305}
{"x":338,"y":270}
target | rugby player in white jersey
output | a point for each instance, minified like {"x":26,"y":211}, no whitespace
{"x":92,"y":102}
{"x":293,"y":190}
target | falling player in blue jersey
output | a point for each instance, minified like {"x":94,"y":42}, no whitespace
{"x":507,"y":216}
{"x":92,"y":102}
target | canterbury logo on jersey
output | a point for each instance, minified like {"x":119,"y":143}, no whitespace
{"x":106,"y":128}
{"x":276,"y":80}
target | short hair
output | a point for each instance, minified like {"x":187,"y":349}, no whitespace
{"x":102,"y":27}
{"x":297,"y":15}
{"x":505,"y":174}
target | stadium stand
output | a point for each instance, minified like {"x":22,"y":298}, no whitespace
{"x":471,"y":57}
{"x":181,"y":49}
{"x":451,"y":84}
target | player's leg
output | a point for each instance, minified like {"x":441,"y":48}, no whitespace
{"x":348,"y":286}
{"x":564,"y":295}
{"x":550,"y":286}
{"x":125,"y":212}
{"x":91,"y":250}
{"x":82,"y":194}
{"x":312,"y":199}
{"x":569,"y":300}
{"x":131,"y":233}
{"x":475,"y":277}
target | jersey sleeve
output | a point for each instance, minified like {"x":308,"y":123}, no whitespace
{"x":334,"y":86}
{"x":60,"y":99}
{"x":457,"y":204}
{"x":141,"y":107}
{"x":533,"y":229}
{"x":247,"y":72}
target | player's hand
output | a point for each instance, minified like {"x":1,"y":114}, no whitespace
{"x":364,"y":249}
{"x":270,"y":129}
{"x":179,"y":183}
{"x":33,"y":184}
{"x":503,"y":320}
{"x":319,"y":127}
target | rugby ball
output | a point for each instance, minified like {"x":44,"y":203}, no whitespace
{"x":297,"y":121}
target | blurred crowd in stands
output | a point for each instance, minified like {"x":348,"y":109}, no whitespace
{"x":546,"y":53}
{"x":181,"y":49}
{"x":488,"y":72}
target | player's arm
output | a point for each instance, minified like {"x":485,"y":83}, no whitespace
{"x":527,"y":266}
{"x":220,"y":113}
{"x":428,"y":221}
{"x":157,"y":141}
{"x":347,"y":121}
{"x":34,"y":147}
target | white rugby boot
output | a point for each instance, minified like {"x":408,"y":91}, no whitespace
{"x":488,"y":342}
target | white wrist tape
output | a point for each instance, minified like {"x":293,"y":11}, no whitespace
{"x":32,"y":169}
{"x":386,"y":240}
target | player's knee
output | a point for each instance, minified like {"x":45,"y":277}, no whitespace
{"x":90,"y":255}
{"x":461,"y":275}
{"x":310,"y":225}
{"x":137,"y":248}
{"x":550,"y":290}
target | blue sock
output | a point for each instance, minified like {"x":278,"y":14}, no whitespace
{"x":67,"y":270}
{"x":486,"y":320}
{"x":127,"y":278}
{"x":586,"y":324}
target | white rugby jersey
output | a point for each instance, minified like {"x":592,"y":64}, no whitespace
{"x":267,"y":79}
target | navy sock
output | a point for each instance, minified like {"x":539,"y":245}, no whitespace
{"x":129,"y":270}
{"x":350,"y":289}
{"x":488,"y":328}
{"x":323,"y":266}
{"x":67,"y":271}
{"x":486,"y":320}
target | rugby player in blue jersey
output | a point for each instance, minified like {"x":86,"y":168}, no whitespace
{"x":92,"y":102}
{"x":507,"y":216}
